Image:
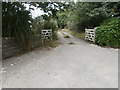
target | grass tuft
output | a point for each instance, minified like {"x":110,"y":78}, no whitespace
{"x":71,"y":43}
{"x":51,"y":44}
{"x":66,"y":36}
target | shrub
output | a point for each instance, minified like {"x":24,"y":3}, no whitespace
{"x":16,"y":23}
{"x":49,"y":43}
{"x":54,"y":35}
{"x":108,"y":34}
{"x":53,"y":26}
{"x":39,"y":23}
{"x":49,"y":25}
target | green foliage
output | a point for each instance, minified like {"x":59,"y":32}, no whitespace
{"x":78,"y":35}
{"x":62,"y":22}
{"x":16,"y":23}
{"x":54,"y":35}
{"x":49,"y":25}
{"x":51,"y":8}
{"x":50,"y":44}
{"x":85,"y":15}
{"x":39,"y":23}
{"x":76,"y":16}
{"x":108,"y":34}
{"x":112,"y":8}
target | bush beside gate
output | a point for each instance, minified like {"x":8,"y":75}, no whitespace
{"x":108,"y":34}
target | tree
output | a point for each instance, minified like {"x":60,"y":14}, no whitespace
{"x":37,"y":24}
{"x":81,"y":15}
{"x":62,"y":22}
{"x":16,"y":23}
{"x":112,"y":8}
{"x":86,"y":15}
{"x":51,"y":8}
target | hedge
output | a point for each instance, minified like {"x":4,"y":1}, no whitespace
{"x":108,"y":34}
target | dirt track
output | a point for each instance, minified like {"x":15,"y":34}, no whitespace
{"x":78,"y":65}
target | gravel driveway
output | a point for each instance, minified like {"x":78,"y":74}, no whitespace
{"x":77,"y":65}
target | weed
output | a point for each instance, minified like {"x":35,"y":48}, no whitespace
{"x":71,"y":43}
{"x":66,"y":36}
{"x":52,"y":43}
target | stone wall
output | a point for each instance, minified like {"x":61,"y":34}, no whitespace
{"x":10,"y":47}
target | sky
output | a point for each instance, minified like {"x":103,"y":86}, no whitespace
{"x":36,"y":12}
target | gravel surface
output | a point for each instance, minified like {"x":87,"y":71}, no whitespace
{"x":78,"y":65}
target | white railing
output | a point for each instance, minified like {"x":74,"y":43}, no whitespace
{"x":46,"y":34}
{"x":90,"y":34}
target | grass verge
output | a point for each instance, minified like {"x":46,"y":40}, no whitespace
{"x":52,"y":43}
{"x":78,"y":35}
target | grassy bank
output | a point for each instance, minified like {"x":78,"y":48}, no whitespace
{"x":51,"y":44}
{"x":78,"y":35}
